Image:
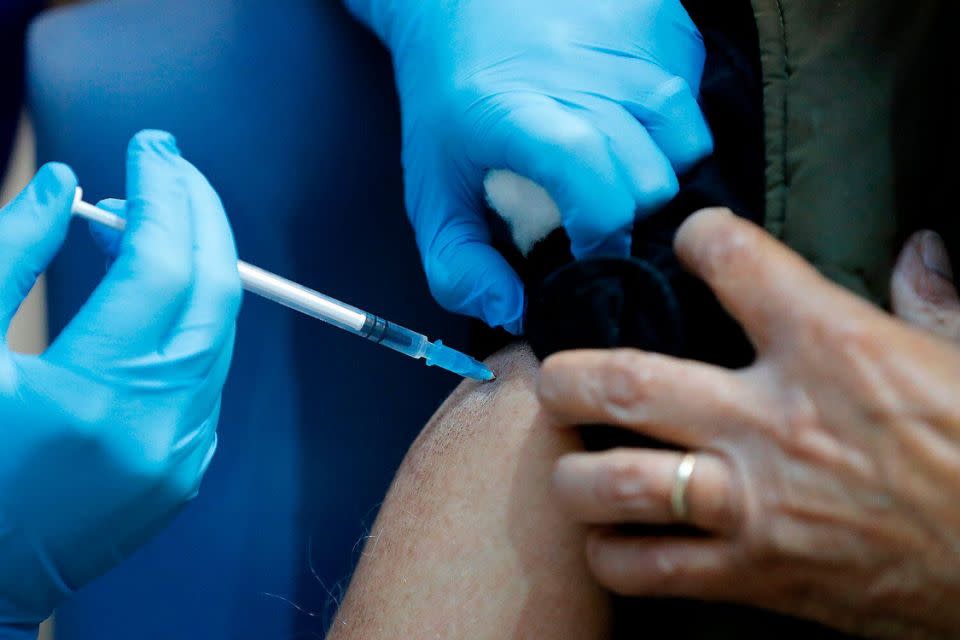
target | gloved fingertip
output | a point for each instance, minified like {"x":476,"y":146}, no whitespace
{"x":52,"y":189}
{"x":514,"y":328}
{"x":158,"y":188}
{"x":54,"y":180}
{"x":655,"y":190}
{"x":154,"y":141}
{"x":676,"y":122}
{"x":504,"y":306}
{"x":478,"y":283}
{"x":512,"y":322}
{"x":41,"y":212}
{"x":694,"y":145}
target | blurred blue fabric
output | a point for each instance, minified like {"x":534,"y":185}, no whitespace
{"x":14,"y":16}
{"x":289,"y":108}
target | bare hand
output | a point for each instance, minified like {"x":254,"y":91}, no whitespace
{"x":827,"y":473}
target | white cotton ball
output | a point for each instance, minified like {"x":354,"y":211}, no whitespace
{"x":525,"y":206}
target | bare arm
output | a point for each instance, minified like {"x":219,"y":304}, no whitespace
{"x":470,"y":543}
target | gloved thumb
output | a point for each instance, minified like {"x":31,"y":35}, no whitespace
{"x":32,"y":230}
{"x":923,"y":292}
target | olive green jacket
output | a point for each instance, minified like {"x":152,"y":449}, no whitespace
{"x":860,"y":138}
{"x":860,"y":131}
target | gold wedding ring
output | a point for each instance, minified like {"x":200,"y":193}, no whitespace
{"x":678,"y":494}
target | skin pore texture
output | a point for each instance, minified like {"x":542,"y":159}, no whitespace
{"x":470,"y":542}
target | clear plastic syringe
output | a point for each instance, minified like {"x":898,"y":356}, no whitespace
{"x":316,"y":305}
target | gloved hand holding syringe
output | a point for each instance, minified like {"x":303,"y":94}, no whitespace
{"x":321,"y":307}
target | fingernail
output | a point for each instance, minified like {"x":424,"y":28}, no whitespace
{"x":934,"y":254}
{"x":52,"y":182}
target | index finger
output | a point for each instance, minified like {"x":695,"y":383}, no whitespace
{"x":766,"y":286}
{"x":144,"y":293}
{"x":210,"y":314}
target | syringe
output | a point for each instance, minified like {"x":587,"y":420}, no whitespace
{"x":316,"y":305}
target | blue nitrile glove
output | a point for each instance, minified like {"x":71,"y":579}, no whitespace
{"x":595,"y":100}
{"x":107,"y":435}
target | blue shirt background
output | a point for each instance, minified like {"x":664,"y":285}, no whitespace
{"x":289,"y":108}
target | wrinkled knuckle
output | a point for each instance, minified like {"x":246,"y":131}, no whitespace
{"x":798,"y":426}
{"x":584,"y":142}
{"x":623,"y":361}
{"x":672,"y":95}
{"x":618,"y":482}
{"x":853,"y":340}
{"x":857,"y":343}
{"x":667,"y":572}
{"x":866,"y":360}
{"x":578,"y":147}
{"x":626,"y":379}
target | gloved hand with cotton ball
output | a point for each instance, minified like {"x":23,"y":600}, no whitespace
{"x":106,"y":435}
{"x":594,"y":101}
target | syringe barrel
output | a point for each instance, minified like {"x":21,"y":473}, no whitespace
{"x":332,"y":311}
{"x":315,"y":304}
{"x":300,"y":298}
{"x":392,"y":335}
{"x":297,"y":297}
